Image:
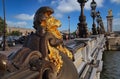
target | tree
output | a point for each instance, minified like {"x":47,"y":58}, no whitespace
{"x":15,"y":33}
{"x":73,"y":34}
{"x":1,"y":26}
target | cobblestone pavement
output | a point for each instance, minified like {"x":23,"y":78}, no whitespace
{"x":10,"y":49}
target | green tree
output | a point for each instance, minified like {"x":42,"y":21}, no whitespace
{"x":1,"y":26}
{"x":15,"y":33}
{"x":73,"y":33}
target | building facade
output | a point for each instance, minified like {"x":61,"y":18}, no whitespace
{"x":24,"y":31}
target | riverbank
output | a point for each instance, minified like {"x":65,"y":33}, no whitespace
{"x":113,"y":43}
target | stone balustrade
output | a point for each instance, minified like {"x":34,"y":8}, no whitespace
{"x":88,"y":57}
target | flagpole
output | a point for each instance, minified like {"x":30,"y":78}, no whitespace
{"x":4,"y":30}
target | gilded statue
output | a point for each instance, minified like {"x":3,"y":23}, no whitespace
{"x":110,"y":12}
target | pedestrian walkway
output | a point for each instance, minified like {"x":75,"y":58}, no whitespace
{"x":68,"y":41}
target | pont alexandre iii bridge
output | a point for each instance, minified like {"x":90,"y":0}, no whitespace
{"x":44,"y":54}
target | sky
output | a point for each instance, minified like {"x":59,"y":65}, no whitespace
{"x":20,"y":13}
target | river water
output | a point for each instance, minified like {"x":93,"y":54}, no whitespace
{"x":111,"y":65}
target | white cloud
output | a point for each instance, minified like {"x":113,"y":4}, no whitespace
{"x":116,"y":24}
{"x":17,"y":24}
{"x":66,"y":6}
{"x":41,"y":1}
{"x":58,"y":15}
{"x":118,"y":14}
{"x":116,"y":1}
{"x":53,"y":2}
{"x":73,"y":5}
{"x":24,"y":17}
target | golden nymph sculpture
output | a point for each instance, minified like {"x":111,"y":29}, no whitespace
{"x":51,"y":25}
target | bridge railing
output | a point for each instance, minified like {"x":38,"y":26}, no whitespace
{"x":90,"y":54}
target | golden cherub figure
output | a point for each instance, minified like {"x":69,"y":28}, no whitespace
{"x":50,"y":24}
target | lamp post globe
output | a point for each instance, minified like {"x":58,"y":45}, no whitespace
{"x":93,"y":5}
{"x":98,"y":13}
{"x":82,"y":1}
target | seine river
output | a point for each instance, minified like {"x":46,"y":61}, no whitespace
{"x":111,"y":66}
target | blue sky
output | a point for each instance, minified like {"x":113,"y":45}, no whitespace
{"x":20,"y":13}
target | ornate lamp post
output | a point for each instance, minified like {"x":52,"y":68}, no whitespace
{"x":97,"y":19}
{"x":93,"y":15}
{"x":69,"y":26}
{"x":82,"y":25}
{"x":100,"y":23}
